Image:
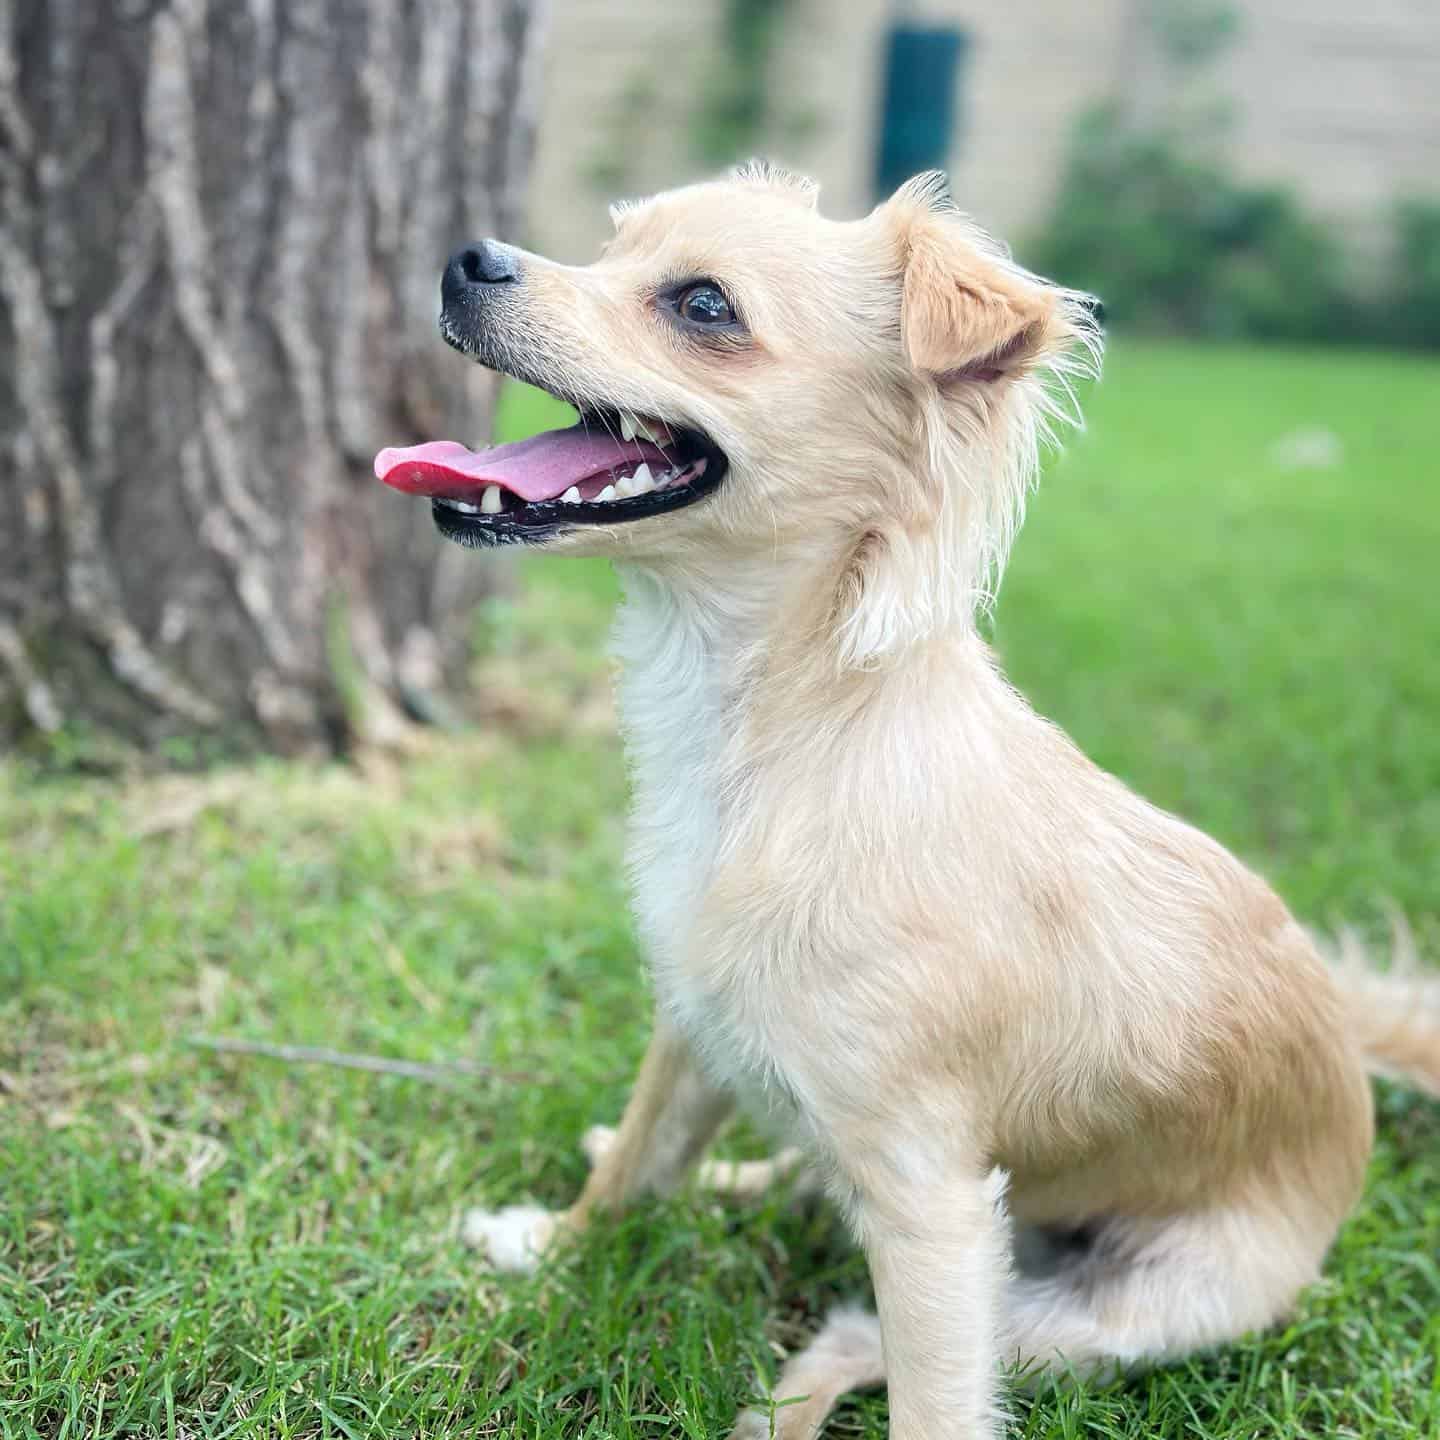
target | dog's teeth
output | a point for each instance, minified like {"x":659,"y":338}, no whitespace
{"x":608,"y":493}
{"x":464,"y":507}
{"x":641,"y":428}
{"x":624,"y":488}
{"x":490,"y":500}
{"x":627,"y":426}
{"x":642,"y":481}
{"x":571,"y":496}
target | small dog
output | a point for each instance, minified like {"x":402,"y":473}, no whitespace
{"x":1084,"y":1089}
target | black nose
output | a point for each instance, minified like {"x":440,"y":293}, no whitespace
{"x":485,"y":263}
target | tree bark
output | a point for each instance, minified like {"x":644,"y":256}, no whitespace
{"x":222,"y":224}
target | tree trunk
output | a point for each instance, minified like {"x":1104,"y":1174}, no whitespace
{"x":222,"y":224}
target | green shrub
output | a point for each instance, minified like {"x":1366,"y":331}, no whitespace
{"x":1175,"y":244}
{"x":1170,"y":242}
{"x":1415,"y":278}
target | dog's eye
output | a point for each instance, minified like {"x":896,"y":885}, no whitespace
{"x":705,"y":304}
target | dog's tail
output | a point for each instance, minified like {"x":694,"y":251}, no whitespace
{"x":1394,"y":1014}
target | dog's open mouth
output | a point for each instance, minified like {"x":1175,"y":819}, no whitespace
{"x":608,"y":468}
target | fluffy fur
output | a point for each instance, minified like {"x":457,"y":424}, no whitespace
{"x":882,"y":898}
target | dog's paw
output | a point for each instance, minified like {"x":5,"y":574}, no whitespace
{"x":753,"y":1425}
{"x":597,"y":1142}
{"x":513,"y":1239}
{"x":756,"y":1424}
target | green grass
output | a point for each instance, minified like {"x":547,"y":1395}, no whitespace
{"x":203,"y":1245}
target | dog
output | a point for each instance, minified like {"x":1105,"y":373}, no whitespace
{"x":1086,"y":1092}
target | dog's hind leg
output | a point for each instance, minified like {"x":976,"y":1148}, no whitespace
{"x":1135,"y":1293}
{"x":672,"y":1114}
{"x":844,"y":1356}
{"x":1130,"y":1295}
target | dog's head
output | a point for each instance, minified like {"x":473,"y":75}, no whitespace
{"x":750,"y":375}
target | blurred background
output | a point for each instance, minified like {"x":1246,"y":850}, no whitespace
{"x":1218,"y":167}
{"x":280,"y":769}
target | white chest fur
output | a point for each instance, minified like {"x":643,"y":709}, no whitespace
{"x":672,"y":703}
{"x":678,"y":683}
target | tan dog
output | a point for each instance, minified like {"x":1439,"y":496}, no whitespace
{"x":879,"y":894}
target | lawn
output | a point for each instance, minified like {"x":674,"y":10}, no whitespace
{"x":201,"y":1244}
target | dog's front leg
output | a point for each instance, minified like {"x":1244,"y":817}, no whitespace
{"x":936,"y":1246}
{"x":672,"y":1115}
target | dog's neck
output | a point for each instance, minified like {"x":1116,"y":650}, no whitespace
{"x":734,"y":612}
{"x":687,"y":638}
{"x":705,"y":642}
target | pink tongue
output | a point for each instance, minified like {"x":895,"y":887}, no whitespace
{"x":541,"y":468}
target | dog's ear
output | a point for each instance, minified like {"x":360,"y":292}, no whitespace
{"x":966,"y":312}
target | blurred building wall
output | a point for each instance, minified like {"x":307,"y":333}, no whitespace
{"x":1341,"y":101}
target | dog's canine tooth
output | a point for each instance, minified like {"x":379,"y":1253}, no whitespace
{"x":642,"y":481}
{"x":490,"y":500}
{"x":571,"y":496}
{"x":608,"y":493}
{"x":627,"y":426}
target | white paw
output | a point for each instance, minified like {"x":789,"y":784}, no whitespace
{"x":597,"y":1142}
{"x":515,"y":1238}
{"x":752,"y":1425}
